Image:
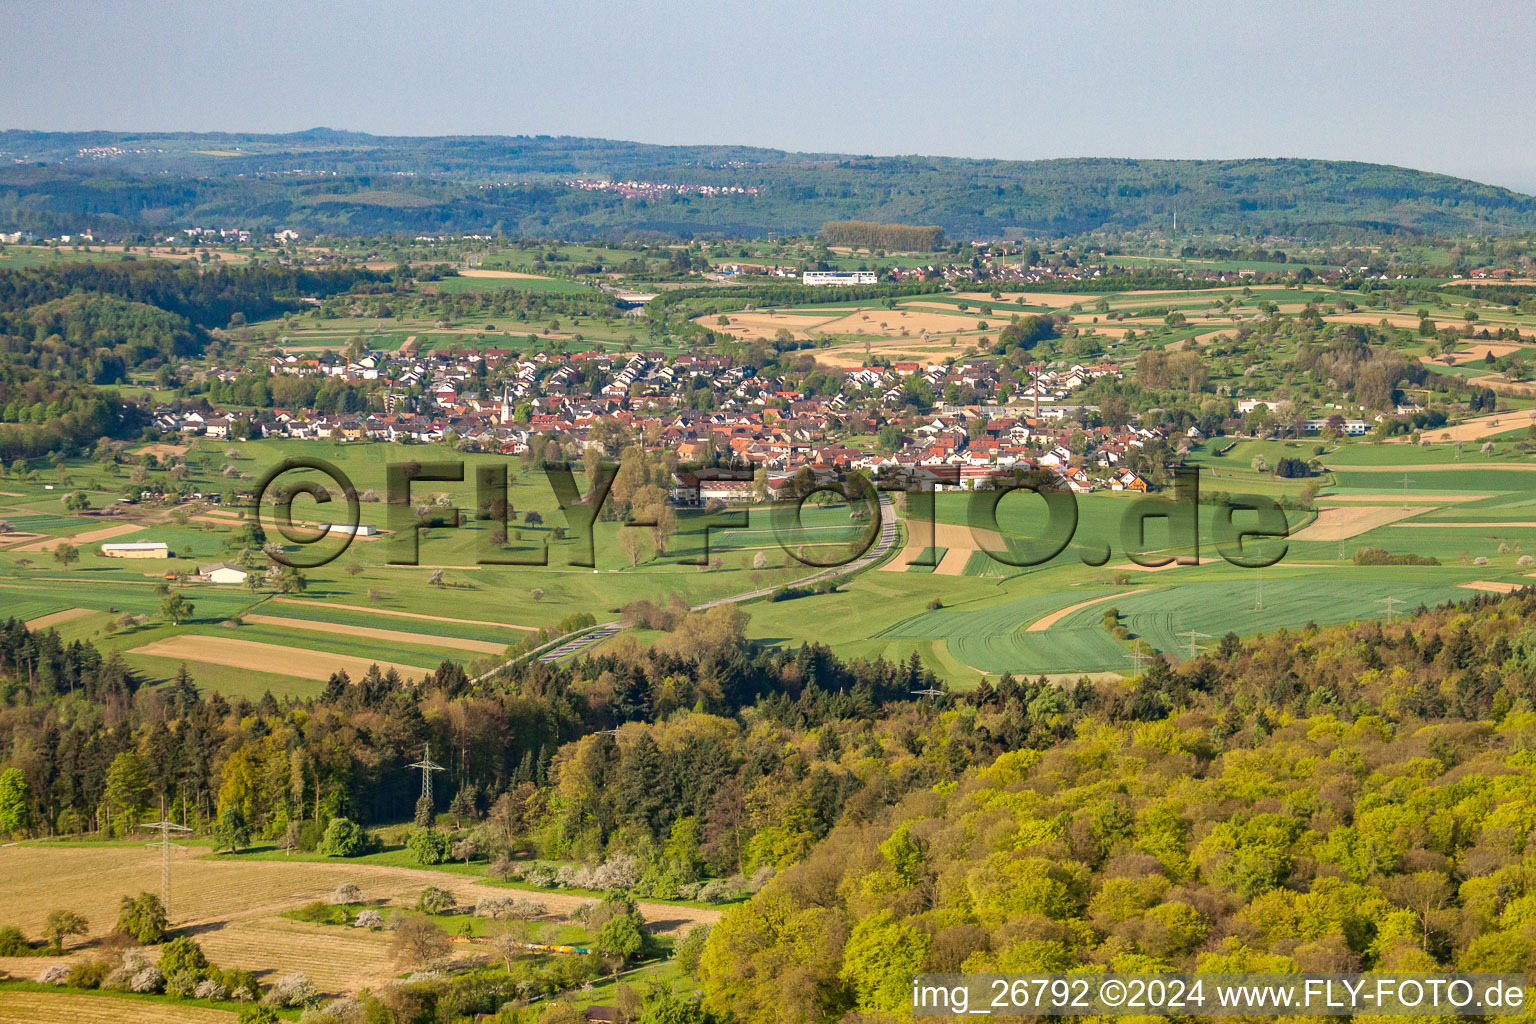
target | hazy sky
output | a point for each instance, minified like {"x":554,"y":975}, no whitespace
{"x":1441,"y":87}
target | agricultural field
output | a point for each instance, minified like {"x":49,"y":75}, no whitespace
{"x":359,"y":609}
{"x":20,"y":1006}
{"x":239,"y":907}
{"x":973,"y":615}
{"x":1468,"y":508}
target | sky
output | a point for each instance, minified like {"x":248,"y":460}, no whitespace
{"x":1434,"y":86}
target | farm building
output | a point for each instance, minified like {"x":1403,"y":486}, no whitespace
{"x":824,"y":277}
{"x":138,"y":549}
{"x":223,"y":572}
{"x":360,"y":530}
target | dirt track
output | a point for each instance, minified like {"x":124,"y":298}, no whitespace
{"x":1045,"y":622}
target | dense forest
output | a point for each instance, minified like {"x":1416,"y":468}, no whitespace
{"x":863,"y":234}
{"x":1357,"y":797}
{"x":351,"y":183}
{"x":66,"y":329}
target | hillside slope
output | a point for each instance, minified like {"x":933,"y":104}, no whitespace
{"x":354,"y":183}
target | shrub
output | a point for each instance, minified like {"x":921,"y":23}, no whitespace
{"x":256,"y":1014}
{"x":716,"y":890}
{"x":495,"y":907}
{"x":182,"y":984}
{"x":344,"y":838}
{"x":434,"y":900}
{"x":621,"y":871}
{"x":54,"y":974}
{"x":320,"y":912}
{"x":290,"y":990}
{"x":142,"y":917}
{"x":148,"y":980}
{"x":183,"y":955}
{"x":428,"y":846}
{"x":13,"y":943}
{"x":691,"y":947}
{"x":210,"y":989}
{"x":88,"y":973}
{"x":1381,"y":556}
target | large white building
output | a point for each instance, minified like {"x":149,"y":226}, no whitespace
{"x":820,"y":277}
{"x":137,"y":549}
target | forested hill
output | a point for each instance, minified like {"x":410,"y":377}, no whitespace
{"x":328,"y":181}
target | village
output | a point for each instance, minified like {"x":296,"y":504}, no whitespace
{"x":489,"y":401}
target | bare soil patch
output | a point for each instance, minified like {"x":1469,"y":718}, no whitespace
{"x":160,"y":451}
{"x":58,"y":1007}
{"x":1341,"y":522}
{"x":1491,"y":586}
{"x":392,"y":635}
{"x":88,"y":537}
{"x":1052,"y":299}
{"x":67,"y":615}
{"x":1475,"y":429}
{"x":1478,"y":352}
{"x":259,"y":657}
{"x":404,"y":615}
{"x":505,"y":275}
{"x":954,"y":562}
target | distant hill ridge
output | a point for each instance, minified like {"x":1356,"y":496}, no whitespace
{"x":127,"y":181}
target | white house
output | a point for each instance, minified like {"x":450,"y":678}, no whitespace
{"x":223,"y":572}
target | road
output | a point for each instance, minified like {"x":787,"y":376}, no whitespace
{"x":574,"y":645}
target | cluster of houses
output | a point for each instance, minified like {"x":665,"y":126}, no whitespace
{"x":647,"y":189}
{"x":493,"y":401}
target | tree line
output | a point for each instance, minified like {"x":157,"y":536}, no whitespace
{"x":864,"y":234}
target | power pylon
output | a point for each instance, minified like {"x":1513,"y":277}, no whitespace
{"x":1194,"y":648}
{"x":165,"y":827}
{"x":1258,"y":604}
{"x":427,"y":766}
{"x":1391,"y":603}
{"x":930,"y":692}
